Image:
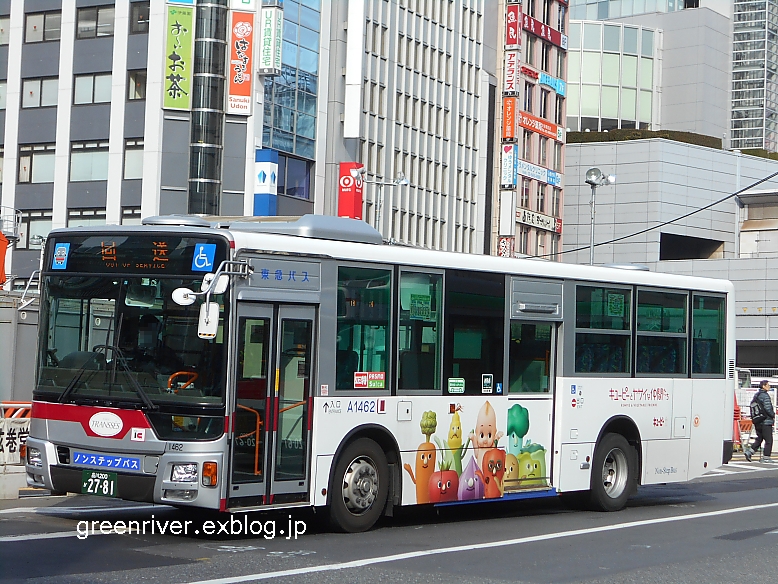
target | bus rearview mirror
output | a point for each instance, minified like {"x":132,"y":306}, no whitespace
{"x":209,"y":320}
{"x":221,"y":284}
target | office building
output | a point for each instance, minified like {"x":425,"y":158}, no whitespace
{"x":114,"y":111}
{"x":534,"y":104}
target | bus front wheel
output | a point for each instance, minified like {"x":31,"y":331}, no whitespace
{"x":359,"y":486}
{"x":613,"y":473}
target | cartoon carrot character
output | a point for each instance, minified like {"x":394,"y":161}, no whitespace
{"x":425,"y":458}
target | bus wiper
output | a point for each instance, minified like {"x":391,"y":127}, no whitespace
{"x":73,"y":382}
{"x":119,"y":356}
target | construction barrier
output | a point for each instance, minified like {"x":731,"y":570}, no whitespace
{"x":14,"y":429}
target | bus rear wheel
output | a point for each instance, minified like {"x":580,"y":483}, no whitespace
{"x":359,"y":486}
{"x":613,"y":473}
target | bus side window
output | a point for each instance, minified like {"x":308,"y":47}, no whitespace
{"x":603,"y":330}
{"x":418,"y":361}
{"x":474,"y":325}
{"x":364,"y":302}
{"x":708,"y":335}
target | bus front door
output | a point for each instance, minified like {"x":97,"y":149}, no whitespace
{"x":270,"y":445}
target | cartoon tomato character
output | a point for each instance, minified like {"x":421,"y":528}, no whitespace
{"x":425,"y":459}
{"x":443,"y":485}
{"x":493,"y":473}
{"x":485,"y":435}
{"x":532,"y":466}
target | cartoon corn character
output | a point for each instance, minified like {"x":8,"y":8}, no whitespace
{"x":452,"y":450}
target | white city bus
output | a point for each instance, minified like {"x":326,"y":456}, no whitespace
{"x":256,"y":365}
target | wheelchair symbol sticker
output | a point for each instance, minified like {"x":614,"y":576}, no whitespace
{"x":202,"y":260}
{"x":60,"y":261}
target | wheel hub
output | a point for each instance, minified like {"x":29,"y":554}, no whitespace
{"x":614,"y":473}
{"x":360,"y":485}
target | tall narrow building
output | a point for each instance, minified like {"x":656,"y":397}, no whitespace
{"x":755,"y":75}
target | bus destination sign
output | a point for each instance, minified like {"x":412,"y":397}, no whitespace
{"x":106,"y":253}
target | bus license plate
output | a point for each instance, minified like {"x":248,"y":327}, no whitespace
{"x":95,"y":482}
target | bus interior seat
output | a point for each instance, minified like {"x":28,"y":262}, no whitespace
{"x":417,"y":370}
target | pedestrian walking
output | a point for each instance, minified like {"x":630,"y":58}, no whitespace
{"x":763,"y":417}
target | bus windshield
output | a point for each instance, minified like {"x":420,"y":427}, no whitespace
{"x":108,"y":340}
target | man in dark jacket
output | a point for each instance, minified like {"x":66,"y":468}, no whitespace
{"x":764,"y":431}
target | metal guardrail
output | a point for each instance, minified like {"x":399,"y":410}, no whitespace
{"x":758,"y":375}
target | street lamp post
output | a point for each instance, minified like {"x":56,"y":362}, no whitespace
{"x":400,"y":181}
{"x":595,"y":178}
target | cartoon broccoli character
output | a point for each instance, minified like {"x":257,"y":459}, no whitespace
{"x":518,"y":426}
{"x":426,"y":456}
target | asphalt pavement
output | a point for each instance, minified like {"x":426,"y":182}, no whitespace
{"x":719,"y":528}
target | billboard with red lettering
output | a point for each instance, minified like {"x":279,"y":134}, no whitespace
{"x":544,"y":31}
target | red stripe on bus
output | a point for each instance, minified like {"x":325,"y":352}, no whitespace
{"x":222,"y":505}
{"x":276,"y":407}
{"x":310,"y":413}
{"x":227,"y":424}
{"x":82,"y":415}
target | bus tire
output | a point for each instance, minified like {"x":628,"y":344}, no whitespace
{"x":359,"y":488}
{"x":613,"y":473}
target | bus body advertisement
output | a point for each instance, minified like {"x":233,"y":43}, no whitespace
{"x":262,"y":365}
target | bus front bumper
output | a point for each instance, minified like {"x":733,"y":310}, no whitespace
{"x":152,"y":485}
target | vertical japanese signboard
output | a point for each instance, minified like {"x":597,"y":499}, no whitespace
{"x":512,"y":26}
{"x":241,"y":63}
{"x":179,"y":57}
{"x":508,"y":166}
{"x":508,"y":119}
{"x":510,"y":85}
{"x":271,"y":29}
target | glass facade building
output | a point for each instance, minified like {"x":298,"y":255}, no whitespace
{"x":612,"y":76}
{"x":290,"y":99}
{"x":755,"y":75}
{"x":604,"y":9}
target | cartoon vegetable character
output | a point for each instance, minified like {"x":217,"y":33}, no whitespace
{"x":443,"y":485}
{"x":511,"y":479}
{"x":425,"y":458}
{"x":518,"y":425}
{"x":471,"y":487}
{"x":452,"y":450}
{"x":532,"y":465}
{"x":492,"y":475}
{"x":485,"y":435}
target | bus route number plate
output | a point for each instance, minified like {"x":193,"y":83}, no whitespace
{"x":96,"y":482}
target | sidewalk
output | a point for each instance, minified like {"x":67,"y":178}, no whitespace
{"x":12,"y":478}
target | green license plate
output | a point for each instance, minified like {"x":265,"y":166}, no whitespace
{"x":97,"y":482}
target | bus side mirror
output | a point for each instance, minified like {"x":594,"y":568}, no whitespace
{"x":183,"y":296}
{"x":209,"y":320}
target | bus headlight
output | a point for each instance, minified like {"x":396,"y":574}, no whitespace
{"x":34,"y":457}
{"x":184,"y":473}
